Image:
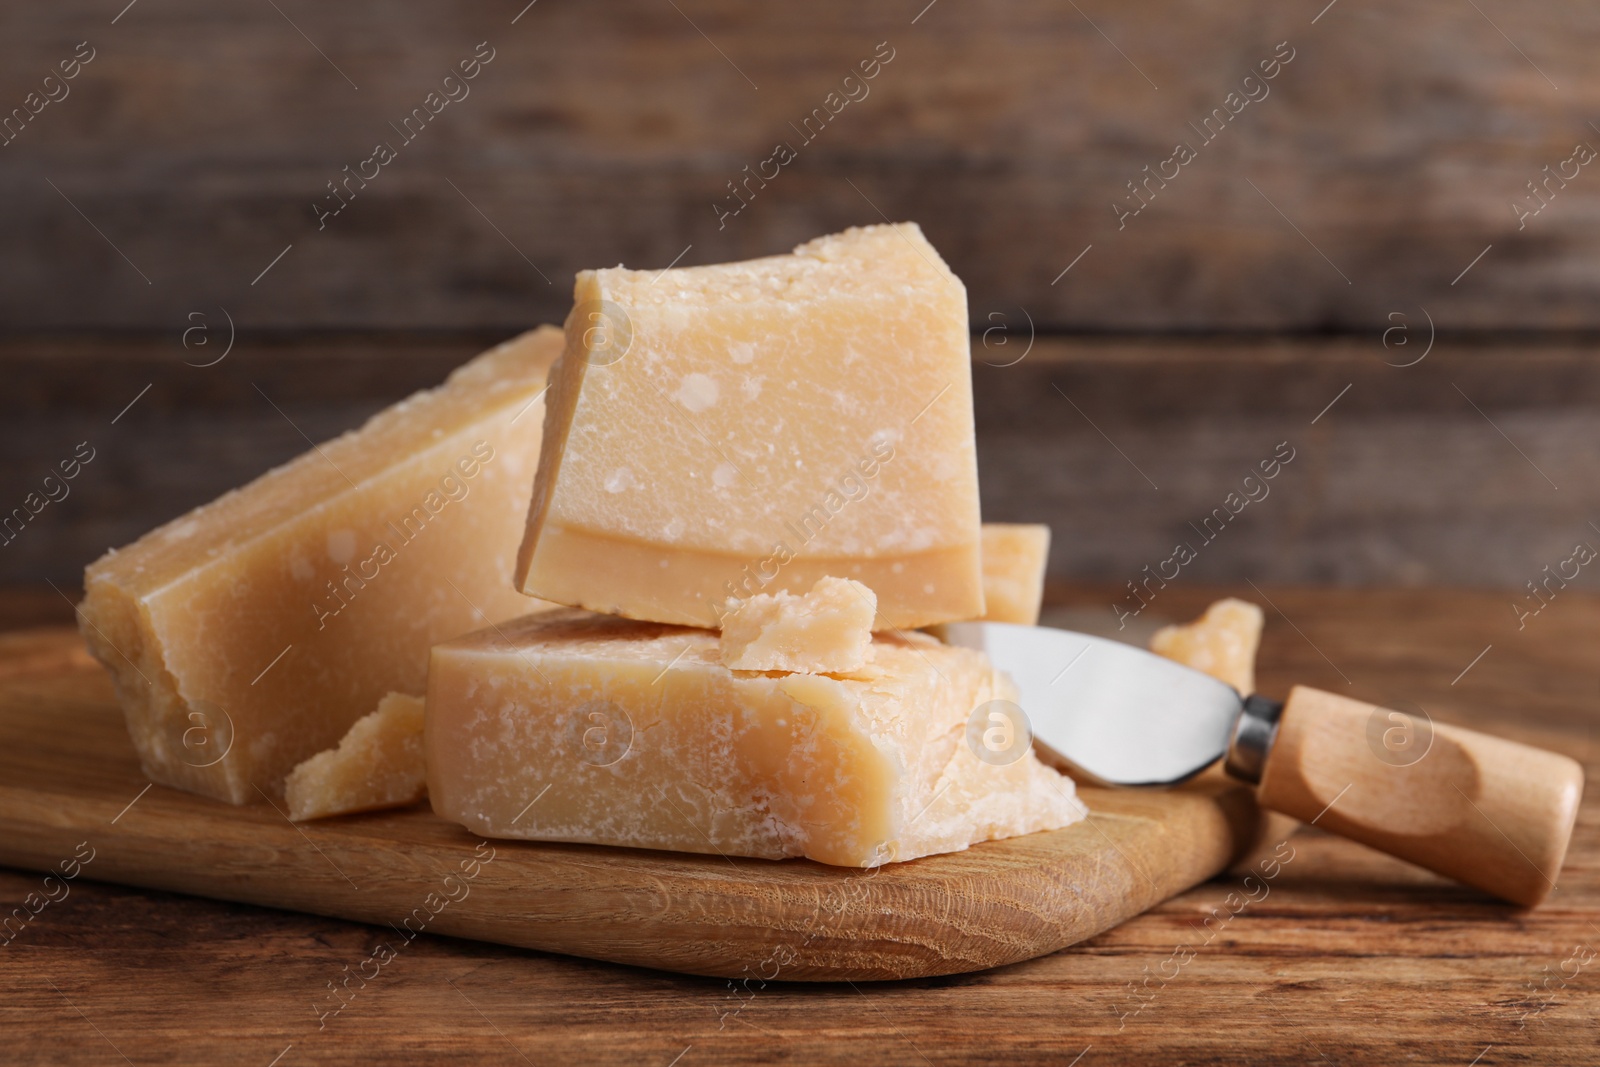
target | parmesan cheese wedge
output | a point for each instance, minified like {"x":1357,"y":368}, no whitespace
{"x":568,"y":726}
{"x":1222,"y":643}
{"x":377,"y":765}
{"x":253,"y":632}
{"x":719,"y":432}
{"x":1014,"y":557}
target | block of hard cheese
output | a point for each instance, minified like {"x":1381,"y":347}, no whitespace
{"x":1014,"y":557}
{"x":827,"y":630}
{"x":568,"y":726}
{"x":1222,"y":643}
{"x":254,"y":631}
{"x":717,"y":432}
{"x":377,"y":765}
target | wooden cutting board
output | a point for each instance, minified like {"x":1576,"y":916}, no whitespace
{"x":70,"y":786}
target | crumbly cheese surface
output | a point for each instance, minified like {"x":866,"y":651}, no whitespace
{"x":569,"y":726}
{"x":828,"y":630}
{"x":746,"y":428}
{"x":1014,"y":558}
{"x":1222,"y":642}
{"x":253,"y":632}
{"x":378,"y":764}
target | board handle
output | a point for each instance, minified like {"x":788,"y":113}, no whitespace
{"x":1489,"y":812}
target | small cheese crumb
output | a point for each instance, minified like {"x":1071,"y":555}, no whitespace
{"x":825,"y":631}
{"x":378,"y":764}
{"x":1222,"y":643}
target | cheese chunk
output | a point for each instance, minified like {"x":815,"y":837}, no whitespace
{"x":254,"y":631}
{"x":723,"y":431}
{"x":568,"y":726}
{"x":1014,"y":557}
{"x":377,"y":765}
{"x":1222,"y":642}
{"x":826,"y":631}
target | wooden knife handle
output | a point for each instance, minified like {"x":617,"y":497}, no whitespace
{"x":1492,"y":813}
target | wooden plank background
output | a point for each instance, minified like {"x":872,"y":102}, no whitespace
{"x":170,"y":194}
{"x":1473,"y":467}
{"x":1385,"y":157}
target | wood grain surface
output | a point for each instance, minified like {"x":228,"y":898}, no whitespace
{"x":1380,"y":161}
{"x":69,"y":776}
{"x":1350,"y":958}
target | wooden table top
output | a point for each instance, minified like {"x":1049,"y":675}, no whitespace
{"x":1350,"y":957}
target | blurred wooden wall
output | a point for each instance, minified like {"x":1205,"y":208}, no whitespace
{"x":1475,"y":466}
{"x":1383,"y":158}
{"x":175,"y":183}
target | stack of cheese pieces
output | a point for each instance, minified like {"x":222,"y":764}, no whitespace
{"x":755,"y":481}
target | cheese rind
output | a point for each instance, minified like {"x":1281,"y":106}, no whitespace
{"x":1222,"y":643}
{"x":569,"y":726}
{"x":254,"y":631}
{"x":752,"y":427}
{"x":826,"y":631}
{"x":1014,"y":558}
{"x":378,"y":764}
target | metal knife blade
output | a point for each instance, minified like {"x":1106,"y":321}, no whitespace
{"x":1118,"y":714}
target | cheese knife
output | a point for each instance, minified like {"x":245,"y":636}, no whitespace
{"x":1489,"y":812}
